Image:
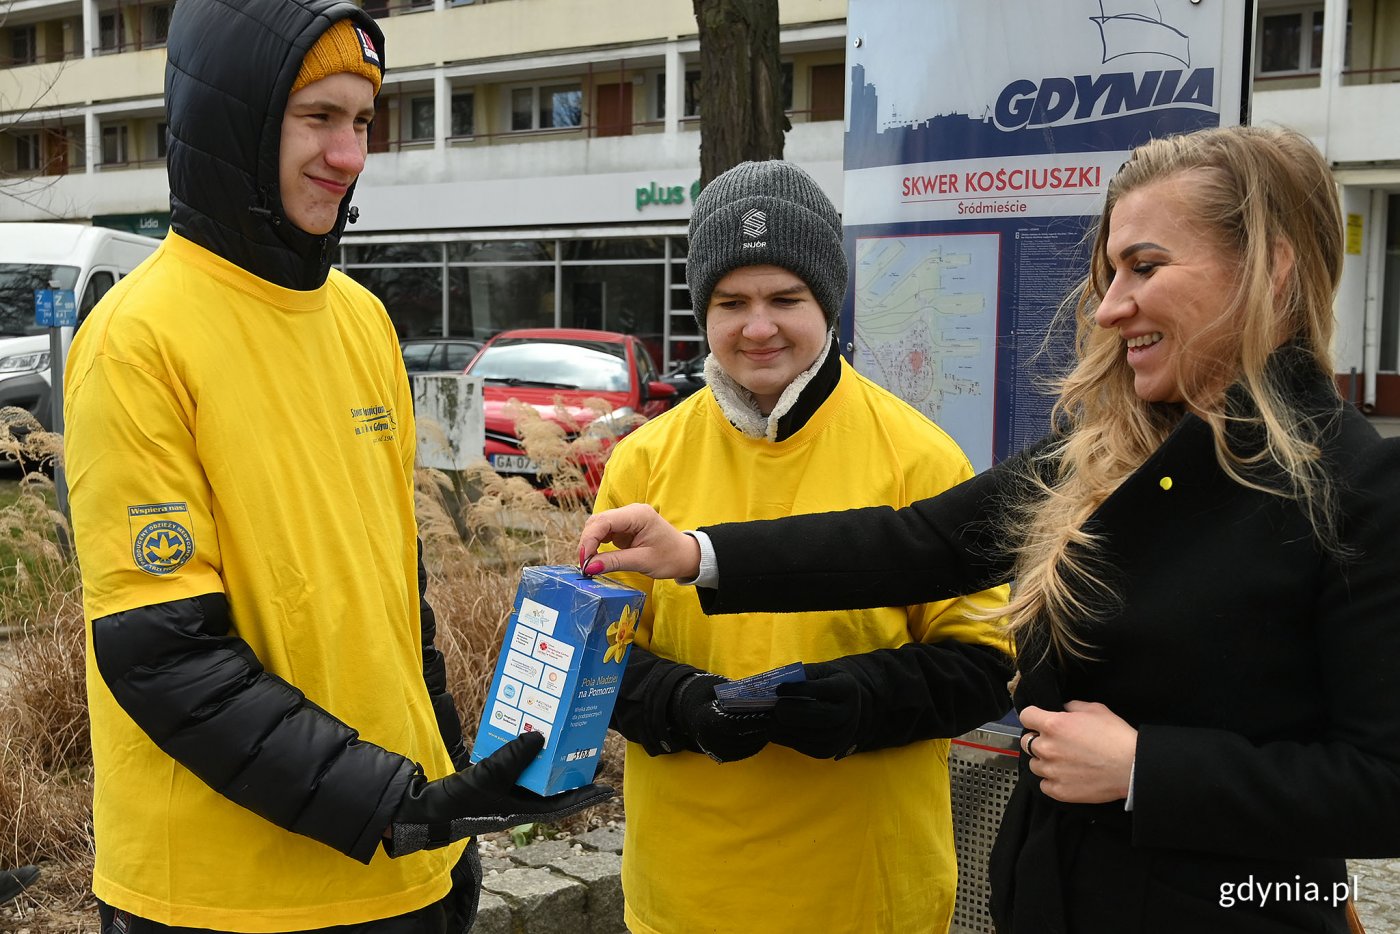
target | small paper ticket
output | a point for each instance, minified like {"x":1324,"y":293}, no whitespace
{"x":757,"y":691}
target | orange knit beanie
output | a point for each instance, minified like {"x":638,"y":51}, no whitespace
{"x":342,"y":48}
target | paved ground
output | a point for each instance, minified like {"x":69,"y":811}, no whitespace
{"x":1389,"y":427}
{"x":1377,"y":884}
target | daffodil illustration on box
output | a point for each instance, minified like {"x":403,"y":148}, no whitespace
{"x":620,"y":635}
{"x":559,"y":672}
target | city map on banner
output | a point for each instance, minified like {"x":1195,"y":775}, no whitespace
{"x":980,"y":142}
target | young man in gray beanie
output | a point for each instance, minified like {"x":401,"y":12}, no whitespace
{"x":831,"y":812}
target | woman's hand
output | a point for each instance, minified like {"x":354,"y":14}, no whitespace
{"x":646,"y":543}
{"x":1083,"y":755}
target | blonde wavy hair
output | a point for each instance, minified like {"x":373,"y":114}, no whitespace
{"x":1269,"y":198}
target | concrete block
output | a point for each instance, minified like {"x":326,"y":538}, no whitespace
{"x":542,"y":902}
{"x":604,"y":839}
{"x":541,"y":853}
{"x":492,"y":915}
{"x":497,"y":862}
{"x":601,"y":874}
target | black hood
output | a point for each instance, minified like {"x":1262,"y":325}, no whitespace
{"x":230,"y":68}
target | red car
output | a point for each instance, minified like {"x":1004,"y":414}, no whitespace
{"x":539,"y":366}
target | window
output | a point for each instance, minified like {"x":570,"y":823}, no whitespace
{"x":114,"y":145}
{"x":547,"y":107}
{"x":160,"y":24}
{"x":162,"y":138}
{"x":109,"y":32}
{"x":24,"y":48}
{"x":463,"y":113}
{"x":1290,"y":41}
{"x":421,"y":118}
{"x":691,"y":96}
{"x":99,"y":285}
{"x":26,"y":152}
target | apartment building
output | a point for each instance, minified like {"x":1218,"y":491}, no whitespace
{"x":533,"y":161}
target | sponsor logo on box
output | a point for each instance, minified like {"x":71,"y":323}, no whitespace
{"x":522,"y":639}
{"x":509,"y":691}
{"x":548,"y":649}
{"x":506,"y":718}
{"x":523,"y":669}
{"x":553,"y":681}
{"x":530,"y":724}
{"x":540,"y":704}
{"x":538,"y":616}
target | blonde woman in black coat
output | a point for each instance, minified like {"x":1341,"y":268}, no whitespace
{"x":1207,"y":577}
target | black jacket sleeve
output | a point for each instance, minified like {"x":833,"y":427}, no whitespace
{"x":435,"y":675}
{"x":945,"y":546}
{"x":642,"y":711}
{"x":202,"y":696}
{"x":924,"y":690}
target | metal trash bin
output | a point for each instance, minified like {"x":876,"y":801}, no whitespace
{"x":982,"y":769}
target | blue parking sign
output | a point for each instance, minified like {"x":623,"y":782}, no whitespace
{"x":54,"y":308}
{"x":43,"y":307}
{"x":65,"y":308}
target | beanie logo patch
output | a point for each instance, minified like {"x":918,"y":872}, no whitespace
{"x":755,"y":223}
{"x":367,"y":49}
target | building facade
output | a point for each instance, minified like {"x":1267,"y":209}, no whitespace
{"x":533,"y":161}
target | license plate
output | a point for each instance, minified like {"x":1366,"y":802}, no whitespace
{"x":513,"y":463}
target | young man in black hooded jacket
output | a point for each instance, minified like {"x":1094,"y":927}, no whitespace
{"x":273,"y":739}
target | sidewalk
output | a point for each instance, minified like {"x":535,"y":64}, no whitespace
{"x":1388,"y":426}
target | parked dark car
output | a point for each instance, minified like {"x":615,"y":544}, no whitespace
{"x":541,"y":365}
{"x":438,"y":354}
{"x":688,"y":376}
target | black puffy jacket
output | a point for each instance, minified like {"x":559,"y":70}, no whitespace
{"x":179,"y":669}
{"x":230,"y":68}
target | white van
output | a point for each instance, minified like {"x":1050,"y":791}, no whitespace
{"x":88,"y":260}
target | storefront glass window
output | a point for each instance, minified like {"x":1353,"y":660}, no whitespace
{"x":393,"y":253}
{"x":411,"y":294}
{"x":629,"y":299}
{"x":484,"y":300}
{"x":1390,"y":295}
{"x":621,"y":248}
{"x":501,"y":251}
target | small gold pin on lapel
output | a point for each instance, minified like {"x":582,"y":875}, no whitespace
{"x":1165,"y":483}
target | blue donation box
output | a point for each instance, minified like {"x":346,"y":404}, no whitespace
{"x":559,"y":673}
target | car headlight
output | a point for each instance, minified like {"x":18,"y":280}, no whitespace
{"x":24,"y":362}
{"x":613,"y":425}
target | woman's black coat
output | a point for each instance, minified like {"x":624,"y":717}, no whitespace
{"x":1261,"y":670}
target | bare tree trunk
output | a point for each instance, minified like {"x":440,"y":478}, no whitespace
{"x":741,"y":84}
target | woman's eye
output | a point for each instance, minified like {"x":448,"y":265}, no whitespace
{"x":1144,"y":269}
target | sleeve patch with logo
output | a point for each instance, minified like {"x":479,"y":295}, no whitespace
{"x":161,"y":541}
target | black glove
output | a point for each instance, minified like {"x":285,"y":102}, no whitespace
{"x":891,"y":697}
{"x":819,"y":717}
{"x":724,"y":737}
{"x":481,"y":799}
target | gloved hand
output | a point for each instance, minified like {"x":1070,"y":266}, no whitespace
{"x":821,"y":716}
{"x":480,"y":799}
{"x":724,"y":737}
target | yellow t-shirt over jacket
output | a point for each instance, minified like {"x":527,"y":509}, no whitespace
{"x":226,"y":435}
{"x":782,"y":842}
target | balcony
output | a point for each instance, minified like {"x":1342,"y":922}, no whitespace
{"x":1355,"y":122}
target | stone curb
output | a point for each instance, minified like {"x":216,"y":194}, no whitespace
{"x":552,"y":886}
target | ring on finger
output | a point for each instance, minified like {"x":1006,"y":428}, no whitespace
{"x":1030,"y":740}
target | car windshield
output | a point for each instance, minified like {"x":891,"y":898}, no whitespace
{"x":17,"y":284}
{"x":592,"y":365}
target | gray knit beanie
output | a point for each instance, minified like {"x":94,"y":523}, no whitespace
{"x":760,"y":214}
